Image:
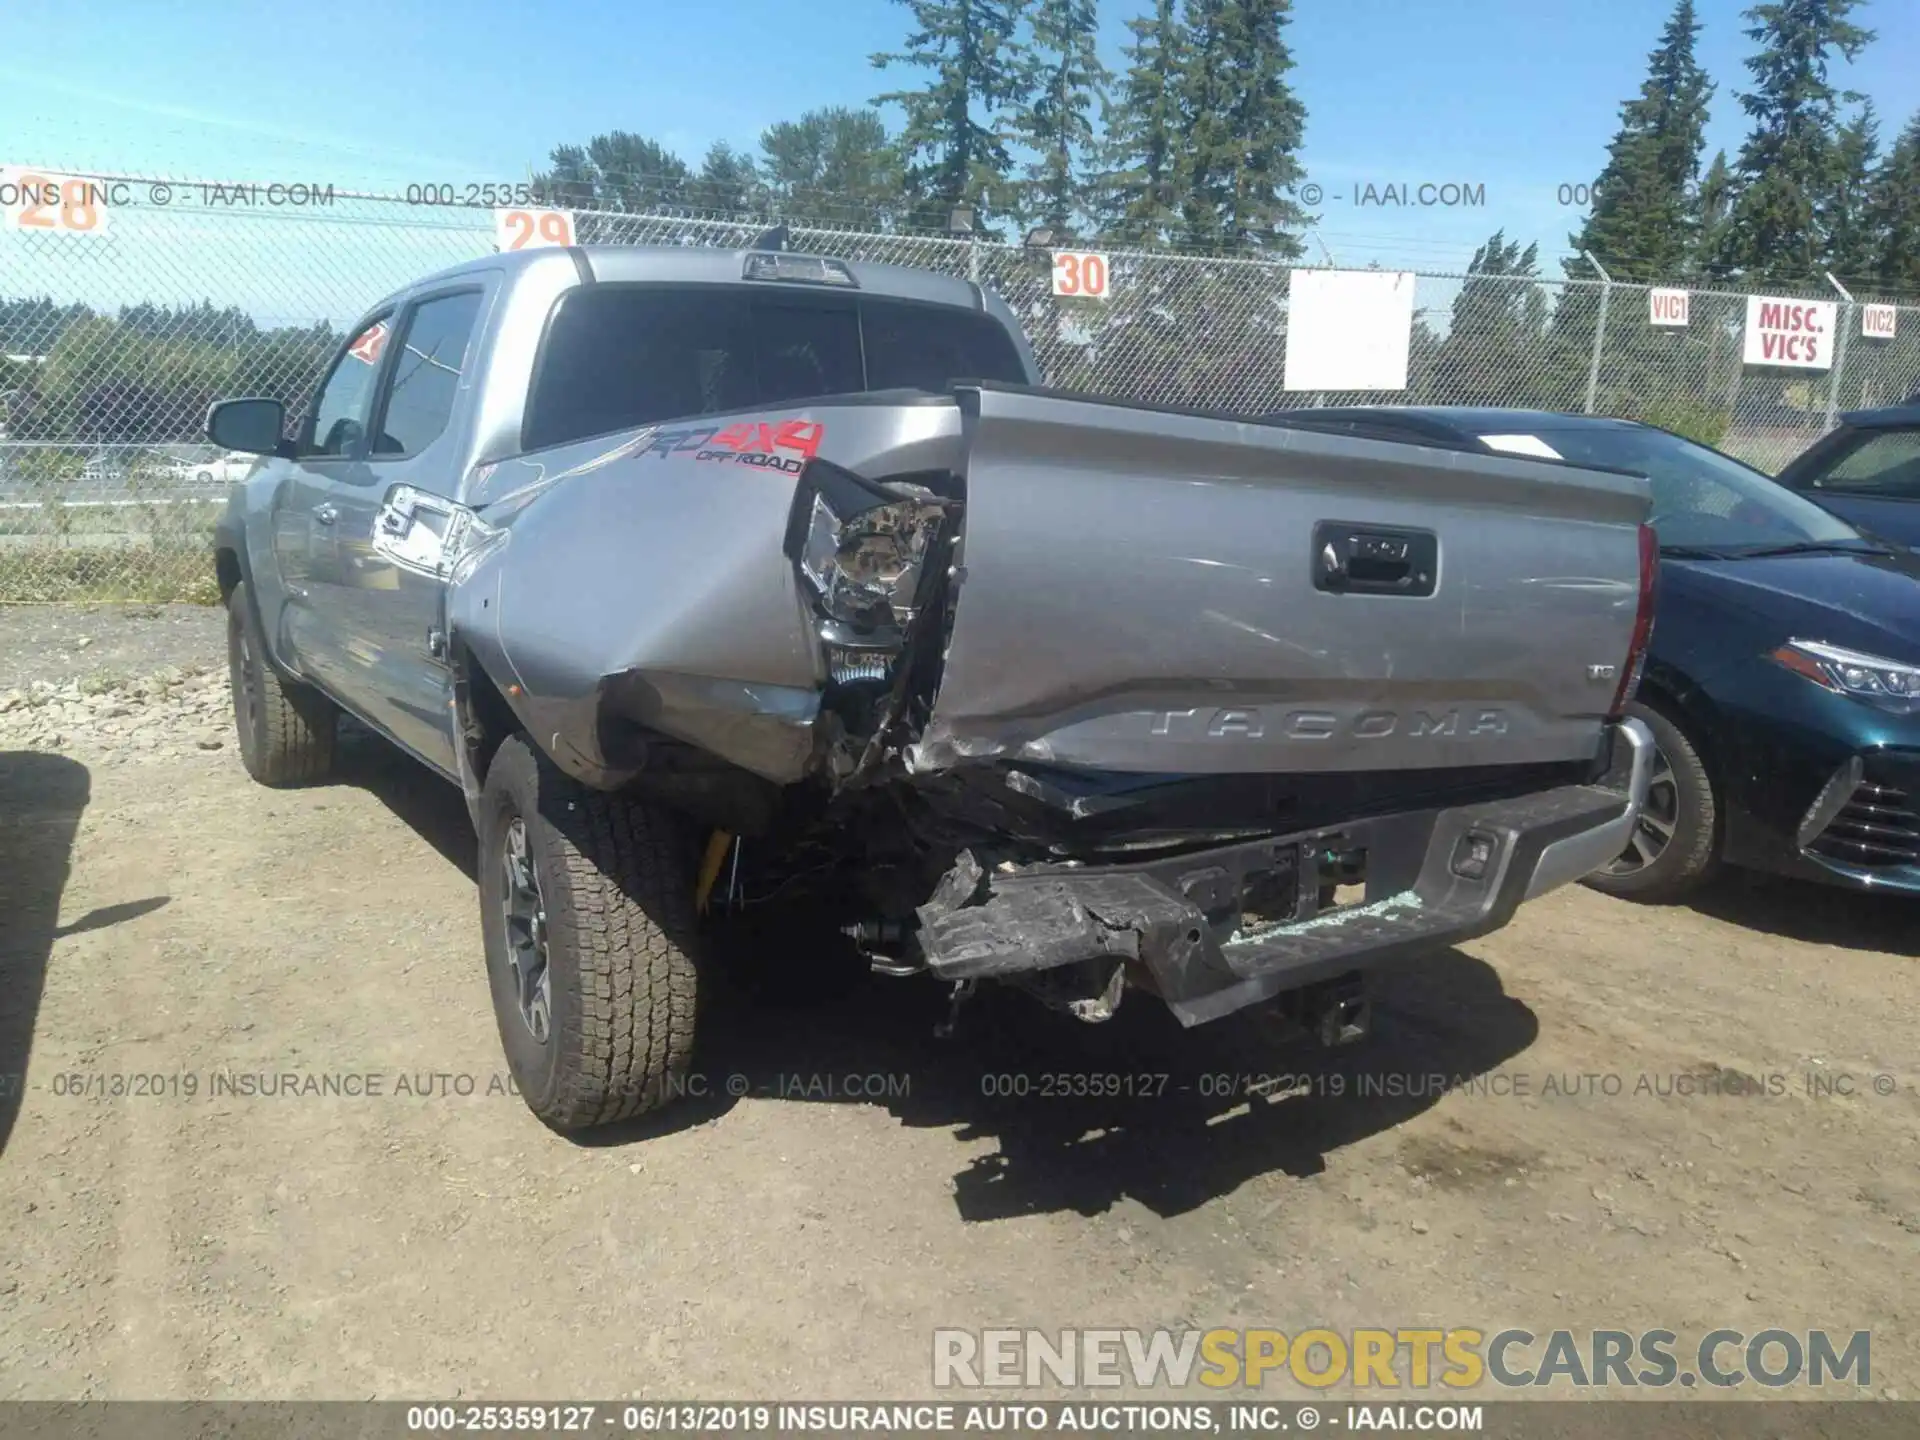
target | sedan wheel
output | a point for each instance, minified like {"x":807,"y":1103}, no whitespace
{"x":1675,"y":844}
{"x":1658,"y":819}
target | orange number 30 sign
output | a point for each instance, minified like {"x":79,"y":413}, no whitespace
{"x":1081,"y":273}
{"x":529,"y":229}
{"x":35,"y":201}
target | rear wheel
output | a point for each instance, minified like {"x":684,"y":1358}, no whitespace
{"x":1674,"y":846}
{"x":286,"y":729}
{"x":587,"y":913}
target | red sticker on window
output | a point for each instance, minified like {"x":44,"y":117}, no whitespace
{"x":368,"y":347}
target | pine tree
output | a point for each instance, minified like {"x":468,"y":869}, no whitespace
{"x":835,"y":164}
{"x":728,"y":183}
{"x":1894,"y":213}
{"x":1245,"y":127}
{"x":1844,"y":212}
{"x":615,"y":171}
{"x":1065,"y":81}
{"x":956,"y":156}
{"x":1497,"y":346}
{"x":1788,"y":163}
{"x":1712,"y":205}
{"x":1146,"y":130}
{"x":1643,"y":220}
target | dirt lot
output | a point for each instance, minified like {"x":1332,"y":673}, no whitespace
{"x":167,"y":919}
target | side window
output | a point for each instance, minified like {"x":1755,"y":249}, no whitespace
{"x":338,"y":420}
{"x":426,"y":374}
{"x":1885,"y":464}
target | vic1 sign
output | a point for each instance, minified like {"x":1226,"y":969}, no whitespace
{"x":1667,"y":307}
{"x":1081,"y":273}
{"x":1795,"y":333}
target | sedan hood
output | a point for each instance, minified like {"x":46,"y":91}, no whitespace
{"x":1864,"y":602}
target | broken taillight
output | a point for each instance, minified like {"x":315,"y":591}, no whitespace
{"x":1642,"y":622}
{"x":860,"y":548}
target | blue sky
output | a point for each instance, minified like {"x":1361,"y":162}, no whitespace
{"x":1520,"y":96}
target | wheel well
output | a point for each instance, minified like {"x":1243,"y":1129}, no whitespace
{"x":485,"y":717}
{"x":1700,"y":735}
{"x":226,"y":569}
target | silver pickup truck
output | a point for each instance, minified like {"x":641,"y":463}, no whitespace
{"x":720,"y":580}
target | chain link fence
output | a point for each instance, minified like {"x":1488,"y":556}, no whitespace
{"x":115,"y":336}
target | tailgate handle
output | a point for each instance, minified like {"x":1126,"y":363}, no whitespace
{"x":1350,"y":559}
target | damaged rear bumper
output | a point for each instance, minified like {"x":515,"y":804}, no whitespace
{"x":1222,"y":929}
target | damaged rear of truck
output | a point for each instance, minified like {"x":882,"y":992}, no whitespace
{"x":1010,"y":685}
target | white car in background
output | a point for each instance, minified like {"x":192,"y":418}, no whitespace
{"x":228,"y":469}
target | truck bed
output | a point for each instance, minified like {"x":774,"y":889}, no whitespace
{"x":1127,"y":591}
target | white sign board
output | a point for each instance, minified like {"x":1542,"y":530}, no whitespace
{"x":530,"y":229}
{"x":1666,"y":307}
{"x":1878,"y":322}
{"x":1080,"y":273}
{"x":42,"y":202}
{"x":1794,"y":333}
{"x":1348,"y":329}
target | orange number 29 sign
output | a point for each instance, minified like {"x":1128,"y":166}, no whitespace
{"x":1080,"y":273}
{"x":35,"y":201}
{"x":529,"y":229}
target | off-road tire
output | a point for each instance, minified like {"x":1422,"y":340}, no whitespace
{"x":616,"y":886}
{"x":1692,"y":855}
{"x":286,"y":729}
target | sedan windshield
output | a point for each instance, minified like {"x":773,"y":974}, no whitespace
{"x":1702,"y":500}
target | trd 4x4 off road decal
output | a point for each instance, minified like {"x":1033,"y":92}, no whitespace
{"x":785,"y":445}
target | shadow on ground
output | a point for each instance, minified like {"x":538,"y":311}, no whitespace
{"x":1084,"y":1115}
{"x":41,"y":800}
{"x":431,"y":807}
{"x":1815,"y":914}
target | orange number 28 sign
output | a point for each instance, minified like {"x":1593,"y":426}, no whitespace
{"x":1081,"y":273}
{"x":35,"y":200}
{"x":529,"y":229}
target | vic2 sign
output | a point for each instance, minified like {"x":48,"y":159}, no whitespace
{"x":1794,"y":333}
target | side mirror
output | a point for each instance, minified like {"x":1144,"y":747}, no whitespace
{"x":252,"y":427}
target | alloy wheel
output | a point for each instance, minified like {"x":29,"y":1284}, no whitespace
{"x":1659,"y":818}
{"x":524,"y":911}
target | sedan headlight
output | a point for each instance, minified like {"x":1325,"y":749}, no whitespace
{"x":1890,"y":684}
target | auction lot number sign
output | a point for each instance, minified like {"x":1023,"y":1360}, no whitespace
{"x":1080,"y":273}
{"x":41,"y":202}
{"x":531,"y":229}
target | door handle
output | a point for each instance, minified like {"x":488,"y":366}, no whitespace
{"x":1367,"y":560}
{"x":324,"y":513}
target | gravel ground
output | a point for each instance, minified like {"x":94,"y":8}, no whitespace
{"x":58,"y":643}
{"x":791,"y":1233}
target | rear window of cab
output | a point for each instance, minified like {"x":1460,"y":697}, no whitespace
{"x":618,"y":356}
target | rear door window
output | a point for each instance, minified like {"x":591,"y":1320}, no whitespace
{"x":1885,"y":465}
{"x":425,"y":379}
{"x":616,"y":357}
{"x":336,"y":423}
